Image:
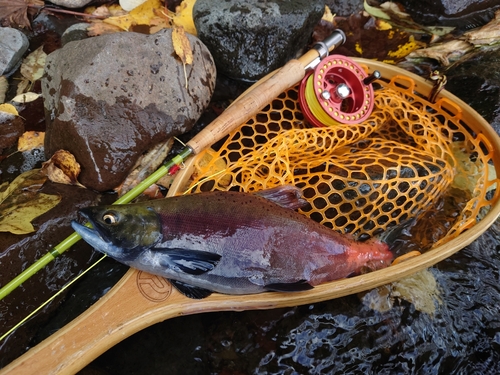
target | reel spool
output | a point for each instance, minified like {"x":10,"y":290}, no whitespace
{"x":337,"y":91}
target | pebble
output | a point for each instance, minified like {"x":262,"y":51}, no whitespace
{"x":71,"y":3}
{"x":13,"y":45}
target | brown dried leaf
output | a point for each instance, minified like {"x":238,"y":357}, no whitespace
{"x":100,"y":28}
{"x":16,"y":11}
{"x":30,"y":140}
{"x":62,"y":168}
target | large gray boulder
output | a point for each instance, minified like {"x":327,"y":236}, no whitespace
{"x":110,"y":98}
{"x":249,"y":39}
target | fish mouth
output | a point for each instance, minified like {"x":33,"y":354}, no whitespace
{"x":91,"y":236}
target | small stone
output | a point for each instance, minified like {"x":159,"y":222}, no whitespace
{"x":71,"y":3}
{"x":77,"y":31}
{"x":13,"y":45}
{"x":110,"y":98}
{"x":249,"y":39}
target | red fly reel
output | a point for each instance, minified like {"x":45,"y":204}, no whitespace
{"x":337,"y":91}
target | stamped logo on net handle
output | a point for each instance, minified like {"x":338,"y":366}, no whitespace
{"x":152,"y":287}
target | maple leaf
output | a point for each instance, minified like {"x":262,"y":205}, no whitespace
{"x":16,"y":11}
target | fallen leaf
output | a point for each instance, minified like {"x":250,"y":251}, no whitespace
{"x":129,"y":5}
{"x":31,"y":69}
{"x":183,"y":16}
{"x":445,"y":53}
{"x":142,"y":15}
{"x":99,"y":27}
{"x":147,"y":164}
{"x":16,"y":11}
{"x":4,"y":85}
{"x":391,"y":12}
{"x":486,"y":35}
{"x":182,"y":47}
{"x":62,"y":168}
{"x":328,"y":16}
{"x":30,"y":140}
{"x":21,"y":202}
{"x":33,"y":65}
{"x":26,"y":97}
{"x":8,"y":108}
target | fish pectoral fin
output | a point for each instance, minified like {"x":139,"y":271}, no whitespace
{"x":298,"y":286}
{"x":189,"y":290}
{"x":192,"y":262}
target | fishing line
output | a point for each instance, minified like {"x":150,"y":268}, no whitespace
{"x":66,"y":286}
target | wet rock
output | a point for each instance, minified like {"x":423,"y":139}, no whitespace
{"x":13,"y":45}
{"x":477,"y":82}
{"x":462,"y":14}
{"x":250,"y":39}
{"x":78,"y":31}
{"x":344,"y":8}
{"x":20,"y":251}
{"x":109,"y":99}
{"x":71,"y":3}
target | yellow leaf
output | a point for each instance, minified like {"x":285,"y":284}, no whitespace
{"x":184,"y":16}
{"x":8,"y":108}
{"x":182,"y":47}
{"x":142,"y":15}
{"x":26,"y":97}
{"x":62,"y":168}
{"x":33,"y":65}
{"x":30,"y":140}
{"x":4,"y":85}
{"x":328,"y":16}
{"x":21,"y":202}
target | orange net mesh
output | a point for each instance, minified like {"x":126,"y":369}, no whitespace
{"x":362,"y":178}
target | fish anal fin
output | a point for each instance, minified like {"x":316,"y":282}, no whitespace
{"x":190,"y":291}
{"x":192,"y":262}
{"x":298,"y":286}
{"x":287,"y":196}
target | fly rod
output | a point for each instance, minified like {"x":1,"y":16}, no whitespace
{"x":251,"y":101}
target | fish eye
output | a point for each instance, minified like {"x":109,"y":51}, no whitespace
{"x":110,"y":218}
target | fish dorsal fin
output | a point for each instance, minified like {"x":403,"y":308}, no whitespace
{"x":287,"y":196}
{"x":192,"y":262}
{"x":189,"y":290}
{"x":298,"y":286}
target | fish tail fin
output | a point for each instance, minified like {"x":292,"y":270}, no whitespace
{"x":397,"y":236}
{"x":287,"y":196}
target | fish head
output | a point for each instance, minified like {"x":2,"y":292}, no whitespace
{"x":120,"y":231}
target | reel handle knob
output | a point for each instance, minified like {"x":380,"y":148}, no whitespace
{"x":372,"y":77}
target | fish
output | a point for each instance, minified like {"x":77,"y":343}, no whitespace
{"x":229,"y":242}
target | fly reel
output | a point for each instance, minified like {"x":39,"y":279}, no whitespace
{"x":337,"y":91}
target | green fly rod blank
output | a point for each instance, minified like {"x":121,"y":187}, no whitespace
{"x":74,"y":238}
